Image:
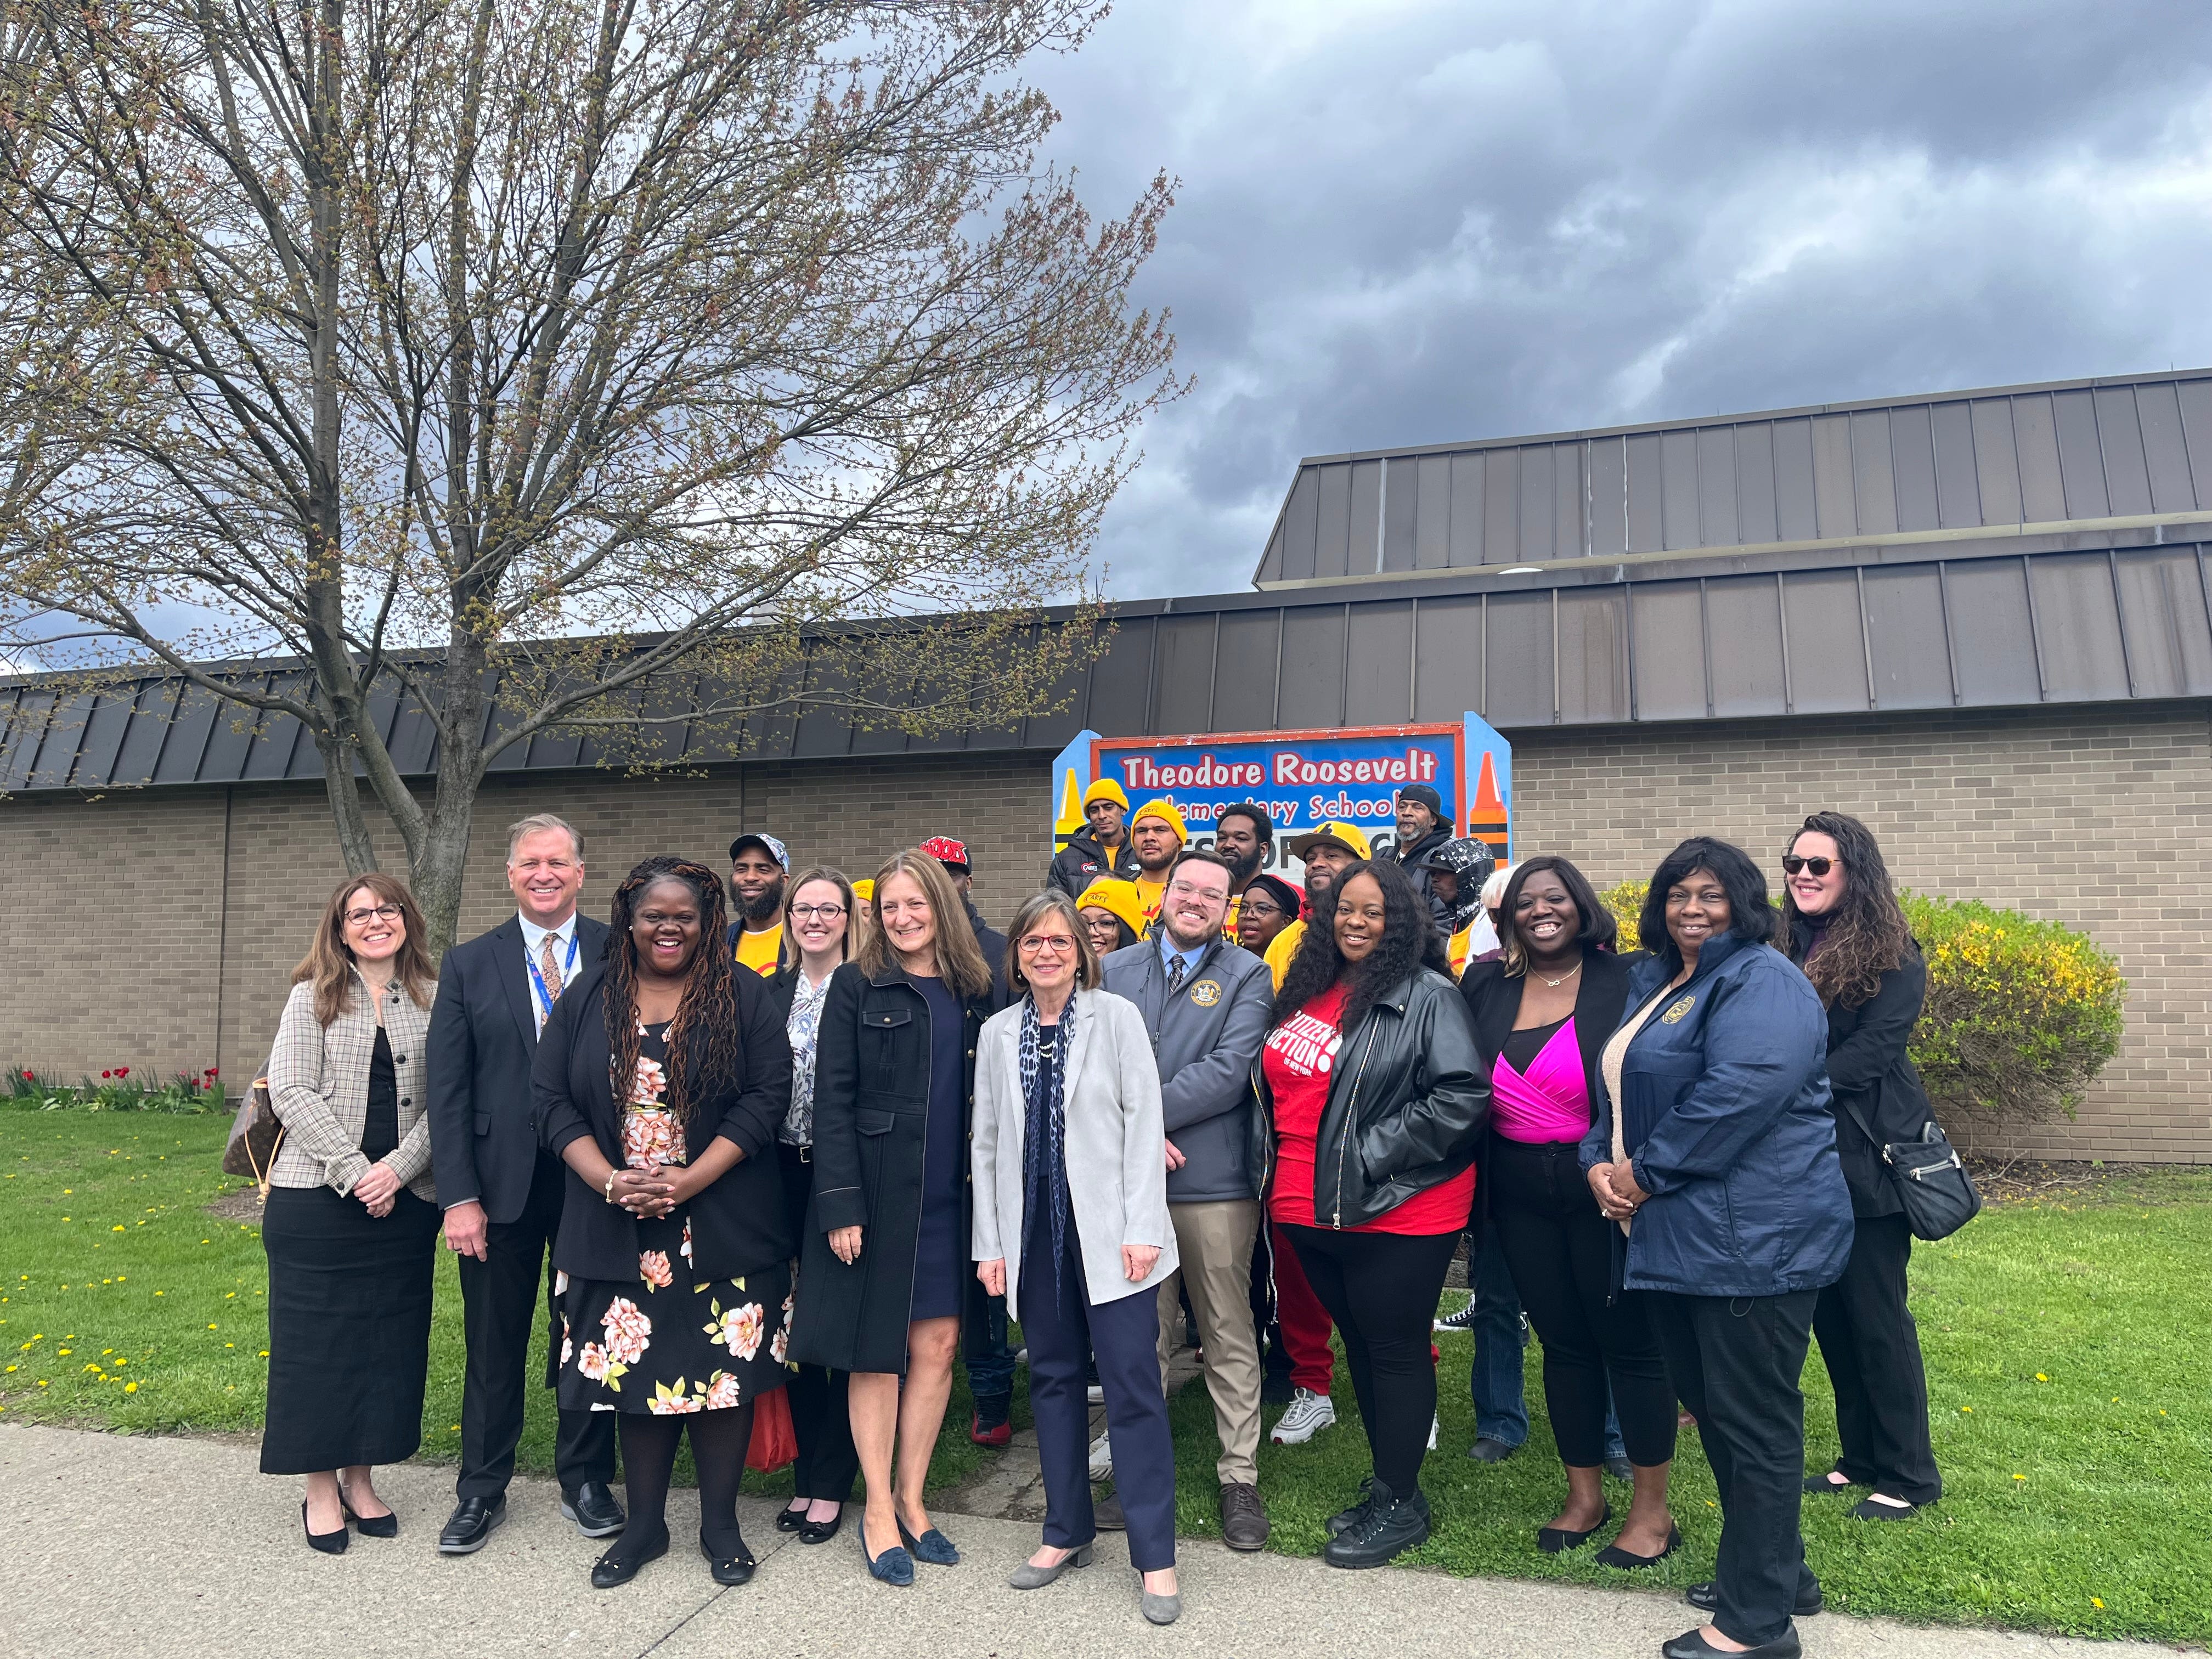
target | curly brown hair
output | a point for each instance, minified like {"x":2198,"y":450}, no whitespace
{"x":708,"y":1003}
{"x":329,"y":962}
{"x":1867,"y":934}
{"x":1409,"y":943}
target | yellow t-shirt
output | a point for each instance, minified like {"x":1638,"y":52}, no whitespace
{"x":759,"y":951}
{"x":1149,"y":894}
{"x":1284,"y":947}
{"x":1462,"y":943}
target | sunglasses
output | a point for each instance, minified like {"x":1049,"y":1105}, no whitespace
{"x":1793,"y":864}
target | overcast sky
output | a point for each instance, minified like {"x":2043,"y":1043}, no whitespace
{"x":1410,"y":221}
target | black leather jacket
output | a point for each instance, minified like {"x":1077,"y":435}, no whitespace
{"x":1408,"y":1105}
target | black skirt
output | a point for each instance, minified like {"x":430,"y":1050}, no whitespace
{"x":349,"y":1329}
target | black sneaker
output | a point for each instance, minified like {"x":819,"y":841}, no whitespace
{"x":1343,"y":1519}
{"x":1393,"y":1525}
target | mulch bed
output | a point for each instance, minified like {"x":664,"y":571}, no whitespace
{"x":2019,"y":1180}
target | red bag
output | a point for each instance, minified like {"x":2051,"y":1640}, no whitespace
{"x":775,"y":1441}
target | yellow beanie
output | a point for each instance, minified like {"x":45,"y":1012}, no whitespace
{"x":1107,"y":789}
{"x":1121,"y":897}
{"x":1165,"y":810}
{"x":865,"y":890}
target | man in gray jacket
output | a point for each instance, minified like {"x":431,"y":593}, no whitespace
{"x":1205,"y":1003}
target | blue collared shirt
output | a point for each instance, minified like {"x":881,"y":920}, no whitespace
{"x":1170,"y":951}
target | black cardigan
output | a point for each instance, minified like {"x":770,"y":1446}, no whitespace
{"x":739,"y":1223}
{"x":1868,"y":1068}
{"x":1494,"y":1002}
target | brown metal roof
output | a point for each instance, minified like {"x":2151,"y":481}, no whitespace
{"x":1998,"y":472}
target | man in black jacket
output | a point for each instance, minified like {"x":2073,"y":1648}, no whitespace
{"x":1102,"y":849}
{"x":1422,"y":828}
{"x":501,"y":1195}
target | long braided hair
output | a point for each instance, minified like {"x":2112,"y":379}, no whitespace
{"x":709,"y":1001}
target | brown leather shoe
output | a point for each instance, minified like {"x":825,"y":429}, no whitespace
{"x":1243,"y":1521}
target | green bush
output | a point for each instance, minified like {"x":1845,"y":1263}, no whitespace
{"x":2021,"y":1014}
{"x":114,"y":1091}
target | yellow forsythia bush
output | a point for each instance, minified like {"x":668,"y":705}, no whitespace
{"x":2021,"y":1014}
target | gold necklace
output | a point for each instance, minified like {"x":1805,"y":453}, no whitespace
{"x":1563,"y":978}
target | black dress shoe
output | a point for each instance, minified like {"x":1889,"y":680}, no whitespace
{"x":1821,"y":1485}
{"x":1487,"y":1450}
{"x":791,"y":1520}
{"x":1706,"y":1597}
{"x":1869,"y":1509}
{"x":592,"y":1506}
{"x":1614,"y":1556}
{"x":375,"y":1526}
{"x":1394,"y":1525}
{"x":330,"y":1543}
{"x":471,"y":1524}
{"x":1557,"y":1541}
{"x":821,"y":1532}
{"x":1691,"y":1645}
{"x":618,"y":1567}
{"x":735,"y":1568}
{"x":1621,"y":1470}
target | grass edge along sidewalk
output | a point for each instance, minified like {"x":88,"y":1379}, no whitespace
{"x":2069,"y":1339}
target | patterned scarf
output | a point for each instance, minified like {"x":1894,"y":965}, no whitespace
{"x":1044,"y":1148}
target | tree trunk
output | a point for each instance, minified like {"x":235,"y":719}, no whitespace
{"x":344,"y":792}
{"x":441,"y":868}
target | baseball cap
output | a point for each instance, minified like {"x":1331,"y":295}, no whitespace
{"x":769,"y":844}
{"x":1350,"y":837}
{"x":947,"y":851}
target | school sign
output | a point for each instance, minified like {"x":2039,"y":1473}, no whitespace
{"x":1349,"y":774}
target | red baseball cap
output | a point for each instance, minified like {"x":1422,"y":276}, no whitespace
{"x":947,"y":851}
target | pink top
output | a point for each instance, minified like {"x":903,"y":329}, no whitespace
{"x":1550,"y":1102}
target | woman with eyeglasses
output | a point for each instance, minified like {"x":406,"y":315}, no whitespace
{"x":1848,"y":933}
{"x":1714,"y":1155}
{"x":1112,"y":914}
{"x":1269,"y":904}
{"x":351,"y":1224}
{"x":819,"y":921}
{"x":1072,"y":1227}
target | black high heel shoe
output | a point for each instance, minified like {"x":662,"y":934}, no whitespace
{"x":373,"y":1526}
{"x":1556,"y":1541}
{"x":330,"y":1543}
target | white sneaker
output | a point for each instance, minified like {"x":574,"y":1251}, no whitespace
{"x":1102,"y":1458}
{"x":1432,"y":1432}
{"x":1306,"y":1416}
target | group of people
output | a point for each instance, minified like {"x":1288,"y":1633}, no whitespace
{"x":795,"y":1135}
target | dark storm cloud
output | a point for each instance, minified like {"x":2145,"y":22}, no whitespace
{"x":1414,"y":224}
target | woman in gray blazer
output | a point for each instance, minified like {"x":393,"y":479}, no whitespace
{"x":352,"y":1220}
{"x":1069,"y":1162}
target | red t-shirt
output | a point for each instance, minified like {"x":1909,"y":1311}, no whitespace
{"x":1299,"y":1060}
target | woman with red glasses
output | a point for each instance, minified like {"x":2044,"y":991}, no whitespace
{"x":1849,"y":934}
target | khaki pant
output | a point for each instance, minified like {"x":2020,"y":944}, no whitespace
{"x":1215,"y":1240}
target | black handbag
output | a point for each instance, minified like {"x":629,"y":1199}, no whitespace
{"x":1931,"y":1181}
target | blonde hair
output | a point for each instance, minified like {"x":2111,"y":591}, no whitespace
{"x":537,"y":821}
{"x":959,"y":959}
{"x":329,"y":962}
{"x":1036,"y":909}
{"x":788,"y":955}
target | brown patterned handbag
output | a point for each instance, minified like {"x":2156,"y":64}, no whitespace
{"x":255,"y":1136}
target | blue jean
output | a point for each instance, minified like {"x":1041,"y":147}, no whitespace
{"x":985,"y":1352}
{"x":1501,"y":1409}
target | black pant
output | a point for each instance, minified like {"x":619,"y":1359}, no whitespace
{"x":1555,"y":1243}
{"x":499,"y":1305}
{"x":820,"y":1420}
{"x":1381,"y":1288}
{"x":1735,"y":1361}
{"x":1872,"y":1350}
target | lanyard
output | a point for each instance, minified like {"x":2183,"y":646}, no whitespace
{"x":537,"y":980}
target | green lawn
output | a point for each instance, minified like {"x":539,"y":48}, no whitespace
{"x":2070,"y":1350}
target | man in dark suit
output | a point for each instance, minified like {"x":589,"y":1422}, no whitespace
{"x":501,"y":1194}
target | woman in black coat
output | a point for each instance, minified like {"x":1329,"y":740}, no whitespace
{"x":1541,"y":1014}
{"x":673,"y":1273}
{"x":1849,"y":933}
{"x":883,"y":1271}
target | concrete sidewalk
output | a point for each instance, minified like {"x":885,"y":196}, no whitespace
{"x":122,"y":1546}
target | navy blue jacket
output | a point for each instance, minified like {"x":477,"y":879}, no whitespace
{"x":1724,"y":1103}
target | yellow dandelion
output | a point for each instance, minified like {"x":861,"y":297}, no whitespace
{"x":2040,"y":1377}
{"x":130,"y":1388}
{"x":2097,"y":1602}
{"x":2020,"y":1477}
{"x":1966,"y":1408}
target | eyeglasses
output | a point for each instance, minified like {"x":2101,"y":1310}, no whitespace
{"x":813,"y":912}
{"x":1793,"y":864}
{"x":1188,"y":890}
{"x":382,"y":913}
{"x":1037,"y":945}
{"x":1261,"y":907}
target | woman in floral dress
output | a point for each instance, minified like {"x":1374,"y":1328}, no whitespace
{"x":673,"y":1258}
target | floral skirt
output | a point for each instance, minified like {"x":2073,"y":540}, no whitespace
{"x":665,"y":1342}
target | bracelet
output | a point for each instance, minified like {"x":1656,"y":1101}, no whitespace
{"x":611,"y":1174}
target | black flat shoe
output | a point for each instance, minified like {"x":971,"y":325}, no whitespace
{"x":1821,"y":1485}
{"x":821,"y":1532}
{"x":612,"y":1568}
{"x":791,"y":1520}
{"x":1555,"y":1540}
{"x":1614,"y":1556}
{"x":1869,"y":1509}
{"x":330,"y":1543}
{"x":735,"y":1569}
{"x":373,"y":1526}
{"x":470,"y":1525}
{"x":1706,"y":1597}
{"x":1692,"y":1645}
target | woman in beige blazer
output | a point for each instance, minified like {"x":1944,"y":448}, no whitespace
{"x":1069,"y":1162}
{"x":352,"y":1218}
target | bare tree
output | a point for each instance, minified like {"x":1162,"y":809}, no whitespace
{"x":617,"y":350}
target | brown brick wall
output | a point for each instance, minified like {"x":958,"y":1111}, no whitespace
{"x":121,"y":938}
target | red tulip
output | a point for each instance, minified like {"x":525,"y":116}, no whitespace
{"x":108,"y":1075}
{"x":123,"y":1071}
{"x":28,"y":1078}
